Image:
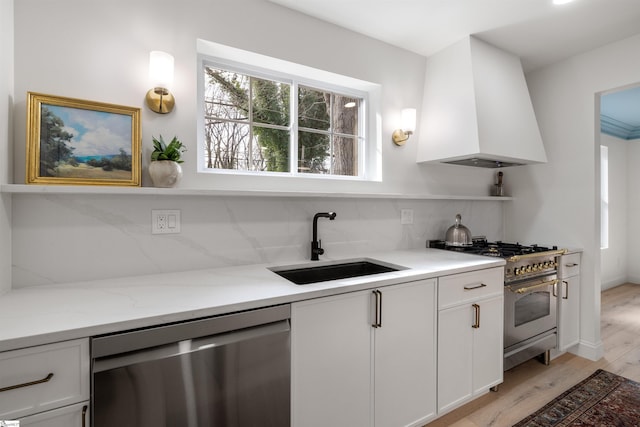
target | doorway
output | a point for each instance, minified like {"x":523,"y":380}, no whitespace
{"x":619,"y":198}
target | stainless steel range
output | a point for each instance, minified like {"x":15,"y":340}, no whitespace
{"x":530,"y":304}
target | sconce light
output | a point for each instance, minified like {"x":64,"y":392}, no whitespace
{"x":408,"y":123}
{"x":159,"y":99}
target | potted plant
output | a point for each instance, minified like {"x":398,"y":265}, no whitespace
{"x":164,"y":169}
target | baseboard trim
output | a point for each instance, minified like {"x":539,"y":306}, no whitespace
{"x":613,"y":283}
{"x":589,"y":350}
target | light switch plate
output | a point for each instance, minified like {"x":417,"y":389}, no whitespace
{"x":165,"y":221}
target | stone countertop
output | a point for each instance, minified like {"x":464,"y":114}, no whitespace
{"x":50,"y":313}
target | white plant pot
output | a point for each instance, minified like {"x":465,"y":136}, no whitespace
{"x":165,"y":173}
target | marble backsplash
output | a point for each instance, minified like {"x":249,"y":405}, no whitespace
{"x":69,"y":238}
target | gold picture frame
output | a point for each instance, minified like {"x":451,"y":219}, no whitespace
{"x":78,"y":142}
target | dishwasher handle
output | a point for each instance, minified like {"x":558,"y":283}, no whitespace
{"x":189,"y":346}
{"x":156,"y":336}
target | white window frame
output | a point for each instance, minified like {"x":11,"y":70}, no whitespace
{"x":245,"y":62}
{"x":604,"y":197}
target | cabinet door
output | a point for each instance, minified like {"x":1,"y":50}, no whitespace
{"x":455,"y":345}
{"x":569,"y":312}
{"x":488,"y":351}
{"x":69,"y":416}
{"x":331,"y":357}
{"x":405,"y":364}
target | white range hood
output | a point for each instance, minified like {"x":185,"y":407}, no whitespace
{"x":476,"y":109}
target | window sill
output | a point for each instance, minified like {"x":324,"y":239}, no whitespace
{"x":152,"y":191}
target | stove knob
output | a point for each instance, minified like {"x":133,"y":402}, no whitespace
{"x":535,"y":267}
{"x":528,"y":269}
{"x":516,"y":271}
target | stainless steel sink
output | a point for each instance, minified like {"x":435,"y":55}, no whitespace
{"x":304,"y":275}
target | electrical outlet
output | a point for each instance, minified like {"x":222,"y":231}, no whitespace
{"x":406,"y":216}
{"x":165,"y":221}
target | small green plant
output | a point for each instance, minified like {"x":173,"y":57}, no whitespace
{"x":172,"y":151}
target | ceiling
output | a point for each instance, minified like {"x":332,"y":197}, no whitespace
{"x":539,"y":32}
{"x":620,"y":113}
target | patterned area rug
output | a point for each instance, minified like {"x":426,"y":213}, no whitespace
{"x":603,"y":399}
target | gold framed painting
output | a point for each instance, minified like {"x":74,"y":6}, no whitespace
{"x":77,"y":142}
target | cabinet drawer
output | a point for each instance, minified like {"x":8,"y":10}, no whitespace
{"x":569,"y":265}
{"x":459,"y":288}
{"x":41,"y":378}
{"x":70,"y":416}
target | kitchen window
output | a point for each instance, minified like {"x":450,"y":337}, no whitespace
{"x":257,"y":119}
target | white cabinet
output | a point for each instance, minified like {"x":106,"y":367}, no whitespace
{"x":405,"y":355}
{"x":569,"y":301}
{"x":331,"y":363}
{"x":365,"y":358}
{"x":68,"y":416}
{"x":46,"y":380}
{"x":470,"y":336}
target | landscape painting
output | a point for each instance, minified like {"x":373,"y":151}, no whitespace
{"x":72,"y":141}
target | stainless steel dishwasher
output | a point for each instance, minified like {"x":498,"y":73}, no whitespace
{"x":232,"y":370}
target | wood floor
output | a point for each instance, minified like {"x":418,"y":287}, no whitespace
{"x":529,"y":386}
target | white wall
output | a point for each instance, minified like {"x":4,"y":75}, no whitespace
{"x":614,"y":258}
{"x":6,"y":126}
{"x":633,"y":211}
{"x":558,"y":202}
{"x":99,"y":51}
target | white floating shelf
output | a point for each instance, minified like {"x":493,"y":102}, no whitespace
{"x":153,"y":191}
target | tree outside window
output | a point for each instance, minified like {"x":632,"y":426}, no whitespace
{"x":249,"y":124}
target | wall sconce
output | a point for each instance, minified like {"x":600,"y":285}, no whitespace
{"x":408,"y":123}
{"x":159,"y":99}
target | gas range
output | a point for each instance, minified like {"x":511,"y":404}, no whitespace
{"x":523,"y":261}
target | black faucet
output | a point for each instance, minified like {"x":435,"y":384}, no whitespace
{"x":316,"y":245}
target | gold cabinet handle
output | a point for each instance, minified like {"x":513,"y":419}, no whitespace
{"x":470,"y":288}
{"x":476,"y":308}
{"x":13,"y":387}
{"x":84,"y":415}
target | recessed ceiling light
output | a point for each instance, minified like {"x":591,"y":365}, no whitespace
{"x":561,"y":1}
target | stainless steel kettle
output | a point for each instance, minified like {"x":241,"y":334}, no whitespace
{"x":458,"y":234}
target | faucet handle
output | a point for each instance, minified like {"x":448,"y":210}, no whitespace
{"x":320,"y":251}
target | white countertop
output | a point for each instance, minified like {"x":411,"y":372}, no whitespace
{"x":44,"y":314}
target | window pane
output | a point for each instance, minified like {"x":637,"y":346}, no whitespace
{"x":345,"y":156}
{"x":227,"y":145}
{"x":272,"y":153}
{"x":345,"y":114}
{"x":313,"y":108}
{"x":226,"y":94}
{"x":313,"y":153}
{"x":270,"y":102}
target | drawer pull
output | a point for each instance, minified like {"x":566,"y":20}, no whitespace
{"x":13,"y":387}
{"x":84,"y":415}
{"x":573,"y":264}
{"x":470,"y":288}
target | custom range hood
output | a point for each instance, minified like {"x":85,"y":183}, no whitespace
{"x":476,"y":109}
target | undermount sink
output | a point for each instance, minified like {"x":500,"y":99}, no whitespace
{"x":304,"y":275}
